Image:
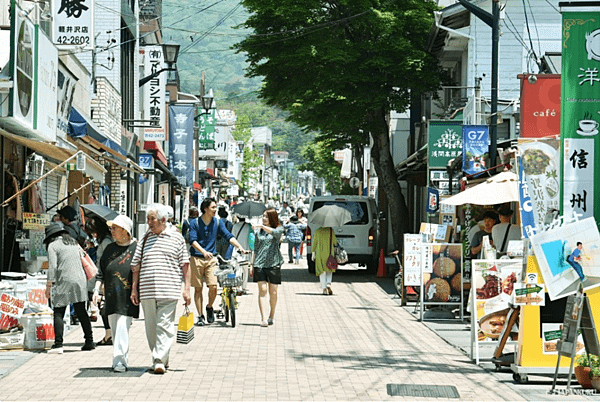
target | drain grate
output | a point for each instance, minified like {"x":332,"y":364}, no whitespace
{"x":423,"y":390}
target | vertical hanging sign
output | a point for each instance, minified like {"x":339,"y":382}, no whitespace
{"x":181,"y":143}
{"x":206,"y":129}
{"x":73,"y":23}
{"x":580,"y":105}
{"x":154,"y":94}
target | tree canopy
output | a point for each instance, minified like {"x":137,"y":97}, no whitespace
{"x":339,"y":67}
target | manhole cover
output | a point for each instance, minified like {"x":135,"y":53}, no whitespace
{"x":423,"y":390}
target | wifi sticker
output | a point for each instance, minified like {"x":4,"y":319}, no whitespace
{"x":532,"y":278}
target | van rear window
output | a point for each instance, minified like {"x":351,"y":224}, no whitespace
{"x":359,"y":210}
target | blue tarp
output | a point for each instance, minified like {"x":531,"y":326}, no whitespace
{"x":79,"y":128}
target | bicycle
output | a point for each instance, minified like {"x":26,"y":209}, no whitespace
{"x":229,"y":275}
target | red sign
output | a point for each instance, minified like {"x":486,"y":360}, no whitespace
{"x":540,"y":105}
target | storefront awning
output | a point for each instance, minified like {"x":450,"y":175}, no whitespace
{"x":79,"y":127}
{"x":155,"y":146}
{"x":46,"y":149}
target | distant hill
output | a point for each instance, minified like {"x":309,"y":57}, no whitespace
{"x":205,"y":32}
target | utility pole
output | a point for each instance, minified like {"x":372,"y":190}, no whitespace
{"x":492,"y":20}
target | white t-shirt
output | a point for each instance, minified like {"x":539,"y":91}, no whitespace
{"x":499,"y":231}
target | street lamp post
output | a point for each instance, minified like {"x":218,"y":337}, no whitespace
{"x":170,"y":52}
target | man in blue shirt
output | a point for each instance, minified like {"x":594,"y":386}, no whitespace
{"x":574,"y":260}
{"x":203,"y":255}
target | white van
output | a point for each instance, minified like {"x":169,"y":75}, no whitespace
{"x":359,"y":237}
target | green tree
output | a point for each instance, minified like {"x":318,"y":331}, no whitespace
{"x":321,"y":162}
{"x":252,"y":160}
{"x":339,"y":67}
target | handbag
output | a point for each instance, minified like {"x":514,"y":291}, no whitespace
{"x":340,"y":254}
{"x":185,"y":327}
{"x":89,"y":267}
{"x":331,"y":263}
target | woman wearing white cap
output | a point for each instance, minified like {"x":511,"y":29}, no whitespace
{"x":115,"y":273}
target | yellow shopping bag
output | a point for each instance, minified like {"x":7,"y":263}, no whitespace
{"x":185,"y":328}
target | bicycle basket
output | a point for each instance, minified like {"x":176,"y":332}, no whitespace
{"x":229,"y":277}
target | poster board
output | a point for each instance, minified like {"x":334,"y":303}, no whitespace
{"x":441,"y":273}
{"x":493,"y":282}
{"x":553,"y":248}
{"x":530,"y":352}
{"x":412,"y":259}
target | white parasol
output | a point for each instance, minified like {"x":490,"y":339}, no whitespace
{"x":330,"y":216}
{"x":501,"y":188}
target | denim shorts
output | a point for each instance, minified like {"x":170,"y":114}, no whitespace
{"x":271,"y":275}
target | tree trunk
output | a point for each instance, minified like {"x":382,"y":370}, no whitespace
{"x":384,"y":166}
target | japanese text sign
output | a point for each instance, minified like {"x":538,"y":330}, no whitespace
{"x":206,"y":129}
{"x":445,"y":142}
{"x":580,"y":104}
{"x":11,"y":306}
{"x":73,"y":23}
{"x":181,"y":143}
{"x":154,"y":94}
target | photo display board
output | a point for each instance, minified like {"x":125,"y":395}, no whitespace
{"x":441,"y":270}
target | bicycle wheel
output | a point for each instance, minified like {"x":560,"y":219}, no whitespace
{"x":232,"y":308}
{"x":225,"y":307}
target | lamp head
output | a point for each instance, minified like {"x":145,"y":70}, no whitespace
{"x":207,"y":100}
{"x":171,"y":52}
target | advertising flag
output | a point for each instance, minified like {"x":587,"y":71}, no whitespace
{"x":476,"y":143}
{"x":181,"y":143}
{"x":580,"y":104}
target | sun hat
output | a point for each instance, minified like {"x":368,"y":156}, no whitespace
{"x":68,"y":212}
{"x":52,"y":229}
{"x":122,"y":221}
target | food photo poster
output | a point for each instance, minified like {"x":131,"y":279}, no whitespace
{"x":567,"y":256}
{"x":494,"y":286}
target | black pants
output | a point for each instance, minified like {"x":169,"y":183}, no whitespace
{"x":59,"y":325}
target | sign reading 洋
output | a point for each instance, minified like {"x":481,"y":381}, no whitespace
{"x":73,"y":23}
{"x":580,"y":103}
{"x":445,"y":142}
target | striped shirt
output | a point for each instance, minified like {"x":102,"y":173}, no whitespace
{"x":161,"y":270}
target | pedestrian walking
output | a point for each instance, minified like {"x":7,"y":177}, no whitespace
{"x":114,"y":273}
{"x":159,"y":265}
{"x":98,"y":230}
{"x":293,"y":233}
{"x":66,"y":284}
{"x":322,"y":247}
{"x":266,"y":265}
{"x":203,"y":250}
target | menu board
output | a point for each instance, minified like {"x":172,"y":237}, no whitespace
{"x":412,"y":259}
{"x":494,"y":282}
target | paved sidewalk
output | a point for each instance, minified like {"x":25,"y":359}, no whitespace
{"x":354,"y":345}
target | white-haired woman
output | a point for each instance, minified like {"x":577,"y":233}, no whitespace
{"x":116,"y":276}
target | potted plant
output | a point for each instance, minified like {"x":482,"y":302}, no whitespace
{"x":587,"y":369}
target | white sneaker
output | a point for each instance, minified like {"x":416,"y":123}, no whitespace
{"x":159,"y":368}
{"x":119,"y":368}
{"x":55,"y":351}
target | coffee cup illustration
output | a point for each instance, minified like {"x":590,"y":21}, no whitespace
{"x":588,"y":126}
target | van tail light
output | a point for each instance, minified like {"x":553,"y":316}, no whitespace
{"x":308,"y":236}
{"x":371,"y":236}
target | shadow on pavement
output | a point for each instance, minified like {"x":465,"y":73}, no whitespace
{"x":87,"y":372}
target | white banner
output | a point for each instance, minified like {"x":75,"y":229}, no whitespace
{"x":154,"y":94}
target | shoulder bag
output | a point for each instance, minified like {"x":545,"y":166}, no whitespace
{"x":89,"y":267}
{"x":331,"y":261}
